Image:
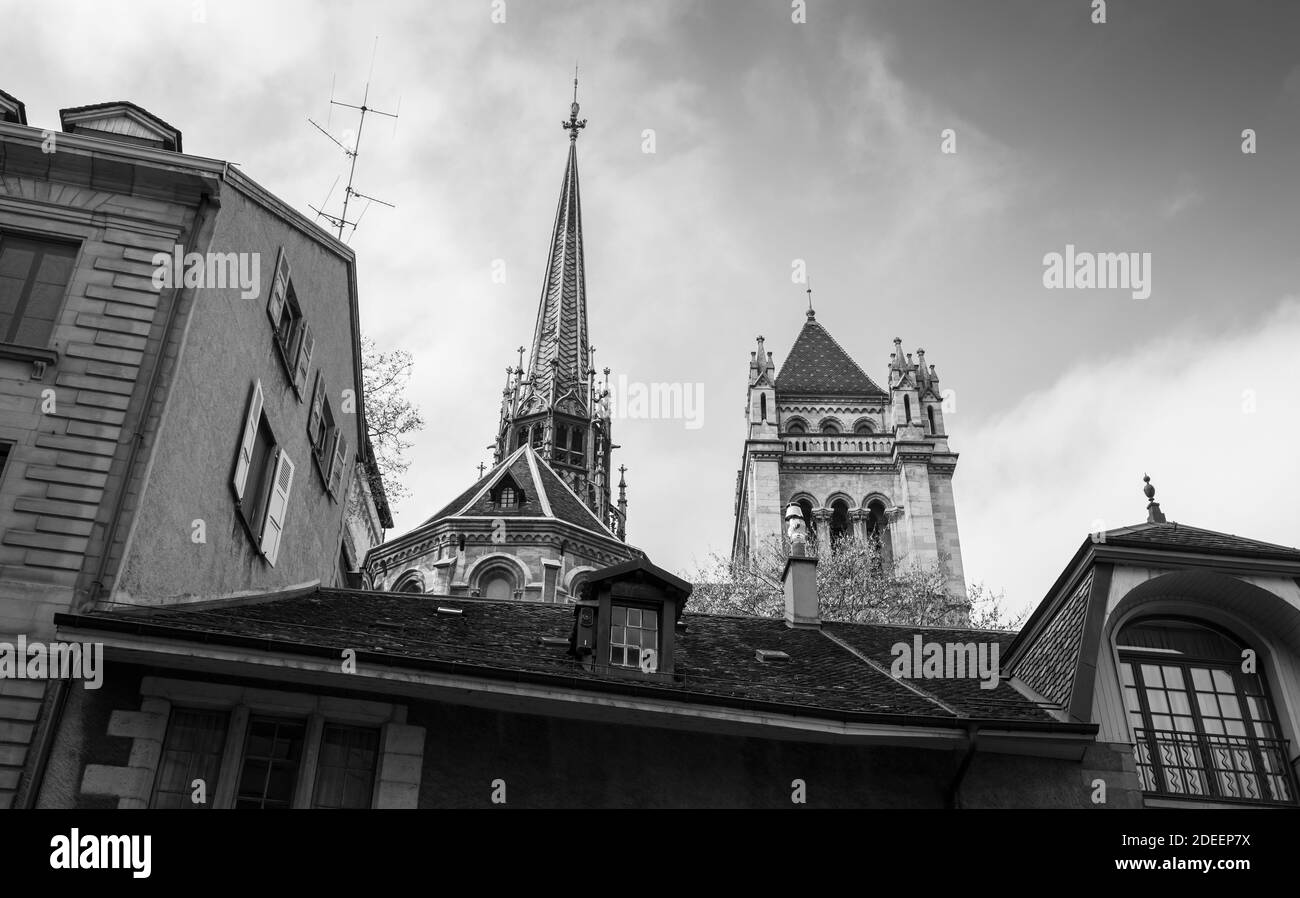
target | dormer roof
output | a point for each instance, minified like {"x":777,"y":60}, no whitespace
{"x":12,"y":109}
{"x":121,"y":120}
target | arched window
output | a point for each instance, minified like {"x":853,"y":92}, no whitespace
{"x":830,"y":427}
{"x":536,"y":434}
{"x":796,"y":427}
{"x":507,"y":497}
{"x":762,"y":406}
{"x":863,"y":427}
{"x":1201,"y":726}
{"x":497,"y":583}
{"x":878,"y":534}
{"x":523,"y":437}
{"x":839,"y":520}
{"x":930,"y":412}
{"x":561,"y":441}
{"x":409,"y":582}
{"x":907,"y":408}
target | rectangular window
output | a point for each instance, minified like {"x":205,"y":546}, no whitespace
{"x":631,"y":631}
{"x":191,"y":752}
{"x":292,"y":333}
{"x":262,"y":480}
{"x":345,"y":771}
{"x":34,"y":276}
{"x":269,"y":773}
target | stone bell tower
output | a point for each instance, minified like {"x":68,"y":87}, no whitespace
{"x":855,"y":457}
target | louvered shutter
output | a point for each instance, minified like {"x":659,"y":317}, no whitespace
{"x":336,"y":466}
{"x":314,"y":415}
{"x":249,"y":438}
{"x":305,"y":347}
{"x":279,"y":288}
{"x":276,"y":507}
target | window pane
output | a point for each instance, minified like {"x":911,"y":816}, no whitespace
{"x":1151,"y":675}
{"x":34,"y":277}
{"x":347,"y":779}
{"x":191,"y":751}
{"x":269,"y":774}
{"x":1173,"y":677}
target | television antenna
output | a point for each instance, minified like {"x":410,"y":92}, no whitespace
{"x":341,"y":221}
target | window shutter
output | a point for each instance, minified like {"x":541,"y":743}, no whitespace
{"x":314,"y":416}
{"x":336,"y":466}
{"x":246,"y":442}
{"x":305,"y":347}
{"x":277,"y":507}
{"x":279,"y":288}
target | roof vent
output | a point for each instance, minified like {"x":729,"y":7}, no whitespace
{"x":442,"y":609}
{"x":121,"y":121}
{"x":770,"y":655}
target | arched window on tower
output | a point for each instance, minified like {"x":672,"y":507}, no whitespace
{"x":577,"y":449}
{"x":930,"y":413}
{"x":536,"y":435}
{"x":561,"y":443}
{"x":907,"y":408}
{"x":523,"y":437}
{"x":839,"y":520}
{"x":863,"y":427}
{"x":878,"y":534}
{"x":497,"y":583}
{"x":762,"y":406}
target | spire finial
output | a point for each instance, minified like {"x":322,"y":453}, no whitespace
{"x":573,"y":125}
{"x":481,"y":468}
{"x":1154,"y":514}
{"x":811,"y":313}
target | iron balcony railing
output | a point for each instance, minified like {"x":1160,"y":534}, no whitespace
{"x":1213,"y":767}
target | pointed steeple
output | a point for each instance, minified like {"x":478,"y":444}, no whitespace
{"x":554,"y":404}
{"x":560,"y":335}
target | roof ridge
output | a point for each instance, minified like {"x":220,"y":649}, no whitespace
{"x":879,"y":668}
{"x":560,"y":480}
{"x":489,"y":480}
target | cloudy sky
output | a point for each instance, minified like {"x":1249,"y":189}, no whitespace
{"x":777,"y":141}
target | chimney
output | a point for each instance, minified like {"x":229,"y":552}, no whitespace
{"x":799,"y":579}
{"x":800,"y":582}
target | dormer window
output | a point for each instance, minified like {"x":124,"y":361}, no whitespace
{"x":507,"y":494}
{"x":634,"y":637}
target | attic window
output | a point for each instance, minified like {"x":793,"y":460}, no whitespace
{"x":507,"y":494}
{"x":634,"y":637}
{"x":770,"y":655}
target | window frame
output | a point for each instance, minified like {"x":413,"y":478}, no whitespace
{"x":276,"y":476}
{"x":1199,"y":737}
{"x":243,"y":703}
{"x":38,"y":352}
{"x":297,"y":348}
{"x":642,"y":608}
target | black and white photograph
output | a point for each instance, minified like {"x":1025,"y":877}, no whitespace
{"x":870,"y":406}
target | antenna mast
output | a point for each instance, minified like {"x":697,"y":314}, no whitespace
{"x":341,"y":221}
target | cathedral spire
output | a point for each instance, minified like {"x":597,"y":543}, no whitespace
{"x":560,"y":334}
